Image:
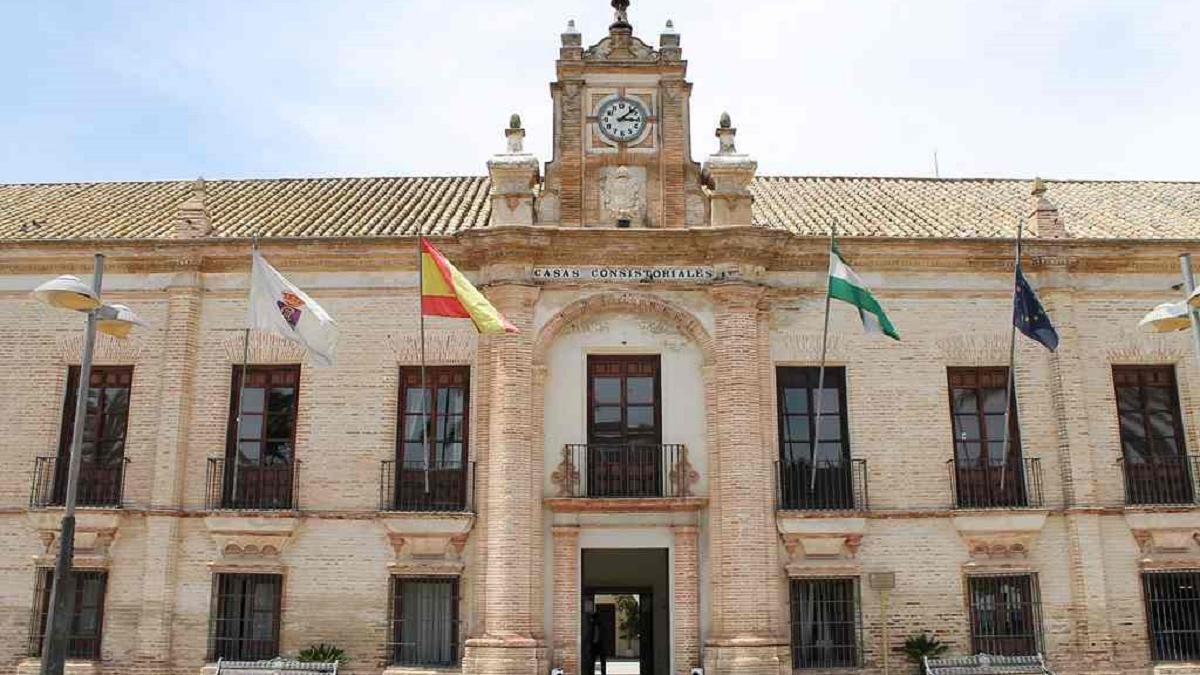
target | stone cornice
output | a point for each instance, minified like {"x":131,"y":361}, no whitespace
{"x":774,"y":250}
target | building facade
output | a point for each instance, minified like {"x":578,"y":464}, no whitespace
{"x":638,"y":471}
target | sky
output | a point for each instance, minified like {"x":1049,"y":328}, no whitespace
{"x":101,"y":90}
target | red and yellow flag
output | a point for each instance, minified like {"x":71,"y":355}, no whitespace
{"x":446,"y":292}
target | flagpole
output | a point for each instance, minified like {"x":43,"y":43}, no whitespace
{"x":424,"y":402}
{"x":821,"y":371}
{"x":237,"y":441}
{"x":1011,"y":381}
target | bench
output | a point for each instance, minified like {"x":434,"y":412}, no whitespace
{"x":276,"y":666}
{"x":987,"y":664}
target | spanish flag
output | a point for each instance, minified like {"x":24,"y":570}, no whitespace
{"x":446,"y":292}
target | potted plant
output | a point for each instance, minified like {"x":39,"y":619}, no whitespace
{"x":322,"y":653}
{"x":919,"y":646}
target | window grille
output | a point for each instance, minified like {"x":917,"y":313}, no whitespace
{"x":87,"y":616}
{"x":1005,"y":615}
{"x":826,"y":625}
{"x":245,"y":617}
{"x":424,"y":620}
{"x":1173,"y":614}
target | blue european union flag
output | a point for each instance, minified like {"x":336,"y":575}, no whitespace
{"x":1029,"y":317}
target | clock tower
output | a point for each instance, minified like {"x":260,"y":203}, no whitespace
{"x":621,"y":134}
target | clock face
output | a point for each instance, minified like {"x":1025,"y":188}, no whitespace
{"x":622,"y":119}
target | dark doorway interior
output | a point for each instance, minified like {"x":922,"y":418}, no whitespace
{"x":625,"y":615}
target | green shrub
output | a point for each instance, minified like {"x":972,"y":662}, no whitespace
{"x":322,"y":653}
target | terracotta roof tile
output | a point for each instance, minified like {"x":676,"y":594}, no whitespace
{"x":332,"y":207}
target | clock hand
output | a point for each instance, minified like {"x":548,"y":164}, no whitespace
{"x":624,"y":117}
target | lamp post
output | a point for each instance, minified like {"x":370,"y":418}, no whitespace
{"x":68,"y":292}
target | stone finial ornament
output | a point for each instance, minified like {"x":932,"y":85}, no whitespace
{"x":515,"y":135}
{"x":192,"y":218}
{"x":668,"y":43}
{"x":572,"y":43}
{"x":726,"y":134}
{"x":1044,"y":221}
{"x":621,"y":20}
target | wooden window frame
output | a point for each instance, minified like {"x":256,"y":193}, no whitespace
{"x":100,"y":483}
{"x":1031,"y":609}
{"x":851,"y":605}
{"x":834,"y":485}
{"x":441,"y":485}
{"x":274,"y":486}
{"x":624,"y":360}
{"x":979,"y":483}
{"x":243,"y":616}
{"x":78,"y":647}
{"x":1154,"y":477}
{"x":396,"y":623}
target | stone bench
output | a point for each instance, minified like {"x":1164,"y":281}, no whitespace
{"x":987,"y":664}
{"x":275,"y":666}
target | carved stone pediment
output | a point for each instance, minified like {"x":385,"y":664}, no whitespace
{"x":621,"y":46}
{"x":94,"y":535}
{"x":250,"y":539}
{"x":819,"y":541}
{"x":1166,"y":534}
{"x":1001,"y":535}
{"x":428,"y":543}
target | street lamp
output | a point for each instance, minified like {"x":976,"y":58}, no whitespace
{"x":1178,"y":316}
{"x":68,"y":292}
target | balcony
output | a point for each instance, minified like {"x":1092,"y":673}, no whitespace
{"x":625,"y":471}
{"x":1159,"y":480}
{"x":993,"y":484}
{"x":439,"y":487}
{"x":252,"y":488}
{"x":836,"y":485}
{"x":101,"y":484}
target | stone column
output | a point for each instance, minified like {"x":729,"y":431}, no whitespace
{"x":176,"y":377}
{"x":507,"y":644}
{"x":742,"y":518}
{"x":566,"y":598}
{"x":686,"y":598}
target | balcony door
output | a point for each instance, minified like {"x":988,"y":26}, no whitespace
{"x":986,"y":473}
{"x":624,"y":451}
{"x":829,"y":484}
{"x":431,"y":475}
{"x":260,"y":457}
{"x":102,"y":452}
{"x":1153,"y":447}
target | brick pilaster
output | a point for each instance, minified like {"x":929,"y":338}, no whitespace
{"x":566,"y":598}
{"x":686,"y":598}
{"x":507,"y":643}
{"x":177,"y":373}
{"x":742,"y":639}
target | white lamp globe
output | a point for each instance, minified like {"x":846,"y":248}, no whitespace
{"x":67,"y":292}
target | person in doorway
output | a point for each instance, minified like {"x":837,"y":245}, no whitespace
{"x":598,"y":647}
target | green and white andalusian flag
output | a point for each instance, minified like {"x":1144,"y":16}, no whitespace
{"x":846,"y":286}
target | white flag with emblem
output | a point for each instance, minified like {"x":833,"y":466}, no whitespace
{"x":279,"y":307}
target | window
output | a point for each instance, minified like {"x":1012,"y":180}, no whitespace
{"x":432,"y":475}
{"x":1005,"y":615}
{"x":87,"y":617}
{"x":831,"y":486}
{"x":986,"y":474}
{"x":424,"y":618}
{"x":624,"y":450}
{"x":245,"y":616}
{"x":1154,"y":456}
{"x":102,"y":450}
{"x":825,"y":623}
{"x":259,"y":465}
{"x":1173,"y":614}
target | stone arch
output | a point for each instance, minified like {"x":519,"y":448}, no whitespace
{"x":614,"y":302}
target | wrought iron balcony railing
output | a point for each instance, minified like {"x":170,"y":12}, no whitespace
{"x":1160,"y":479}
{"x":252,"y":488}
{"x":447,"y":487}
{"x":625,"y":471}
{"x":101,"y":484}
{"x":837,"y":485}
{"x":993,"y":484}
